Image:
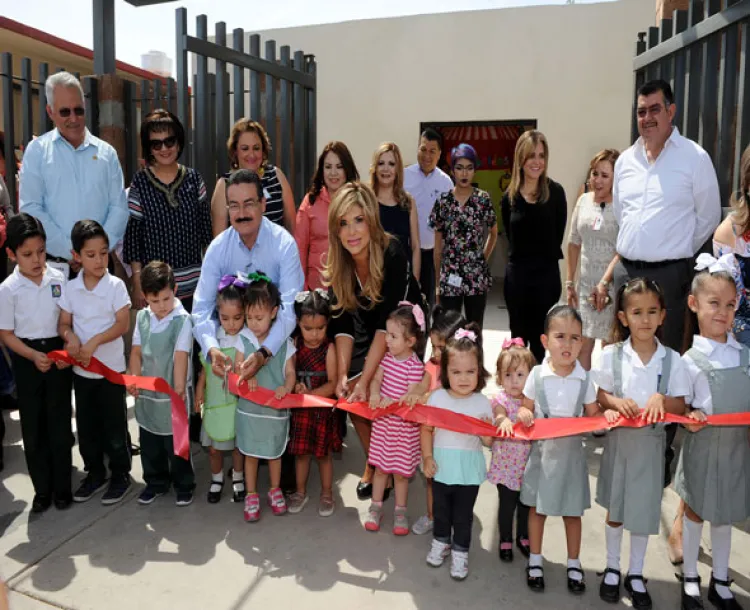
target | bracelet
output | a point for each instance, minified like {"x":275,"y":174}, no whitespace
{"x":570,"y":284}
{"x":603,"y":283}
{"x":136,"y":271}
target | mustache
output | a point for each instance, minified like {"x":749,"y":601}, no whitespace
{"x":245,"y":219}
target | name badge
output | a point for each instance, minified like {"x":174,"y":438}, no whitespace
{"x":455,"y":280}
{"x":56,"y":290}
{"x":597,"y":224}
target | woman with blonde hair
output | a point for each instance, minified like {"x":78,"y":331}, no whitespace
{"x":368,"y":273}
{"x":248,"y":147}
{"x":593,"y":240}
{"x":534,"y":212}
{"x":398,"y":212}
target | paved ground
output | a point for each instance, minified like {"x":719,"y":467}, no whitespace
{"x":130,"y":556}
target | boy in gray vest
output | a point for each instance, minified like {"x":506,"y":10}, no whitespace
{"x":162,"y":344}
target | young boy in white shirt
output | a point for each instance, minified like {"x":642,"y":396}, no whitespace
{"x":94,"y":317}
{"x":29,"y":313}
{"x":162,"y":344}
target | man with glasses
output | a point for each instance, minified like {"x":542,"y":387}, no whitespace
{"x":667,"y":205}
{"x":69,"y":175}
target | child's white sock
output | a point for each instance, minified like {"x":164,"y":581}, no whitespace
{"x":575,"y":563}
{"x":638,"y":544}
{"x":691,"y":544}
{"x":216,"y":482}
{"x":721,"y":545}
{"x":535,"y":561}
{"x":613,"y":537}
{"x":237,"y":477}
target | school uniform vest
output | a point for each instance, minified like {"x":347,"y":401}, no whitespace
{"x":220,"y":404}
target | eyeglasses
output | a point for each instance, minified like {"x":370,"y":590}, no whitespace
{"x":65,"y":112}
{"x":652,"y":110}
{"x":168,"y":142}
{"x":241,"y":207}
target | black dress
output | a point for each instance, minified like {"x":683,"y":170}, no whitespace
{"x":395,"y":220}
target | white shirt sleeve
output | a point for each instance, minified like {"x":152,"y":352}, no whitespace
{"x":120,"y":297}
{"x":529,"y":391}
{"x":7,"y":311}
{"x":602,"y":374}
{"x":136,"y":334}
{"x":290,"y":349}
{"x":707,"y":201}
{"x":679,"y":379}
{"x":590,"y":395}
{"x":185,"y":338}
{"x":64,"y":301}
{"x":699,"y":396}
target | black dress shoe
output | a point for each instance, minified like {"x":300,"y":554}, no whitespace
{"x":535,"y":583}
{"x":63,"y":501}
{"x":41,"y":503}
{"x":213,"y":497}
{"x":610,"y":593}
{"x":523,"y":545}
{"x":642,"y":601}
{"x":717,"y":600}
{"x":688,"y":601}
{"x":364,"y":490}
{"x":576,"y":586}
{"x":506,"y":555}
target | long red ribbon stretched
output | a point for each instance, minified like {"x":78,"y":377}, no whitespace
{"x":421,"y":414}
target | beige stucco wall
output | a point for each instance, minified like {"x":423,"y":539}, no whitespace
{"x":569,"y":67}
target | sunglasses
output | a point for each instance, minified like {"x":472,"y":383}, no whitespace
{"x":168,"y":142}
{"x":65,"y":112}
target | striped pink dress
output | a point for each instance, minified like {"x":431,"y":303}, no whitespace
{"x":394,"y":443}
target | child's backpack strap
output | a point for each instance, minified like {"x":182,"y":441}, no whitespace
{"x":617,"y":370}
{"x":744,"y":357}
{"x":700,"y":360}
{"x":541,"y":396}
{"x":666,"y":370}
{"x":582,"y":395}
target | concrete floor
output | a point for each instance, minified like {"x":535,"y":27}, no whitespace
{"x":205,"y":556}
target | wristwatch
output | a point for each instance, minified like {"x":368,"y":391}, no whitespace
{"x":266,"y":353}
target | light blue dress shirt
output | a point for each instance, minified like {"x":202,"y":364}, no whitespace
{"x":275,"y":254}
{"x":61,"y":185}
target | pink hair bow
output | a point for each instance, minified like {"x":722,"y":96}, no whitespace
{"x":416,"y":310}
{"x":462,"y":333}
{"x":508,"y":343}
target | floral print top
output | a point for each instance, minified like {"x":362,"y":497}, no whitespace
{"x":508,"y":455}
{"x":463,"y":270}
{"x":741,"y":274}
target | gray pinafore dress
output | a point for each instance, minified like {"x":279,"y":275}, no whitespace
{"x":219,"y":408}
{"x":631,"y":476}
{"x":153,"y":410}
{"x":713,"y":474}
{"x":556,"y":478}
{"x":263,"y":432}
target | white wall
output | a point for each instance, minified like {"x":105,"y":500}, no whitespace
{"x":569,"y":67}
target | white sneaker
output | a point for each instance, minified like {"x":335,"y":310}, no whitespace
{"x":459,"y":564}
{"x":438,"y":552}
{"x":422,"y":526}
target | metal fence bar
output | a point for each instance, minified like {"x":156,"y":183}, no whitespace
{"x":312,"y":144}
{"x":44,"y":121}
{"x":200,"y":96}
{"x":665,"y":33}
{"x":726,"y":110}
{"x":680,"y":20}
{"x":709,"y":97}
{"x":131,"y":131}
{"x":91,"y":101}
{"x":170,"y":96}
{"x":146,"y":106}
{"x":27,"y":108}
{"x":653,"y":71}
{"x":158,"y":102}
{"x":183,"y":94}
{"x":221,"y":130}
{"x":694,"y":69}
{"x":254,"y":79}
{"x":238,"y":40}
{"x":209,"y":171}
{"x":271,"y":94}
{"x":742,"y":131}
{"x":299,"y":131}
{"x":639,"y":77}
{"x":285,"y":112}
{"x":6,"y":76}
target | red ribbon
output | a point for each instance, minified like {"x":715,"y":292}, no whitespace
{"x":542,"y":429}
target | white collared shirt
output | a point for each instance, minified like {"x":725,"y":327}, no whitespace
{"x":31,"y":311}
{"x":184,"y":341}
{"x":562,"y":392}
{"x":227,"y":341}
{"x":641,"y":381}
{"x":94,"y":311}
{"x":426,"y":190}
{"x":667,"y":209}
{"x":721,"y":356}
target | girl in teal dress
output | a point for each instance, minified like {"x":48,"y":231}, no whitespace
{"x":262,"y":432}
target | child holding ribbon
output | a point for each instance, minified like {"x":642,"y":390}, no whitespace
{"x":394,"y":444}
{"x":714,"y":466}
{"x":220,"y":405}
{"x":314,"y":431}
{"x":639,"y":378}
{"x":509,"y":455}
{"x":262,"y":432}
{"x":454,"y":460}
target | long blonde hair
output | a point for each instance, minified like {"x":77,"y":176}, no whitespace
{"x":399,"y":194}
{"x":739,"y":202}
{"x":525,"y":147}
{"x":339,"y":271}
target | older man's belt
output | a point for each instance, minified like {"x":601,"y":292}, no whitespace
{"x":651,"y":264}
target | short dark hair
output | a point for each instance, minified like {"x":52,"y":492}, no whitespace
{"x":244,"y":176}
{"x":22,"y":227}
{"x":432,"y":135}
{"x":262,"y":293}
{"x":156,"y":276}
{"x":445,"y":322}
{"x":561,"y":311}
{"x":464,"y":344}
{"x":654,"y":86}
{"x":85,"y":230}
{"x":158,"y":121}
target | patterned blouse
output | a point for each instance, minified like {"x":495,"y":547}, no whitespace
{"x":170,"y":223}
{"x":463,"y":270}
{"x":741,"y":274}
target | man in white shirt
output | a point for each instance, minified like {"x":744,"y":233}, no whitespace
{"x":425,"y":181}
{"x":667,"y":205}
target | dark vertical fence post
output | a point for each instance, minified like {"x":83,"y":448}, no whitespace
{"x":238,"y":40}
{"x":183,"y":93}
{"x":158,"y":102}
{"x":742,"y":132}
{"x":694,"y":76}
{"x":727,"y":111}
{"x":680,"y":25}
{"x":271,"y":96}
{"x":44,"y":121}
{"x":299,"y":130}
{"x":131,"y":130}
{"x":146,"y":102}
{"x":27,"y":108}
{"x":200,"y":95}
{"x":638,"y":79}
{"x":312,"y":150}
{"x":91,"y":93}
{"x":285,"y":112}
{"x":169,"y":102}
{"x":255,"y":80}
{"x":6,"y":75}
{"x":221,"y":131}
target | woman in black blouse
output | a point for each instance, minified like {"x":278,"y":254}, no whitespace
{"x":534,"y":211}
{"x":368,"y":274}
{"x":170,"y":216}
{"x":398,"y":212}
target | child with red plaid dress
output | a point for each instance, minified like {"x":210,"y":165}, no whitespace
{"x":314,"y":431}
